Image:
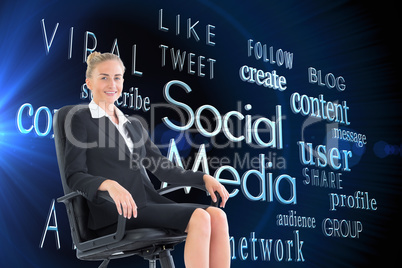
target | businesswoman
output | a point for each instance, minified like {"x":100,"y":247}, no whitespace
{"x":107,"y":153}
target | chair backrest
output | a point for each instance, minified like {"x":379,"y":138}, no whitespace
{"x":79,"y":214}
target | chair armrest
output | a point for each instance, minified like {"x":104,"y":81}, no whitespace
{"x":121,"y":221}
{"x":67,"y":198}
{"x":97,"y":242}
{"x":172,"y":188}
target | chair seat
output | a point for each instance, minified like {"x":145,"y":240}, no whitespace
{"x":142,"y":238}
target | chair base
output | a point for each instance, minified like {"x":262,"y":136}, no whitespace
{"x":165,"y":259}
{"x":104,"y":264}
{"x":161,"y":254}
{"x":152,"y":263}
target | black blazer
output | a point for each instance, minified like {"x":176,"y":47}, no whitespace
{"x":95,"y":151}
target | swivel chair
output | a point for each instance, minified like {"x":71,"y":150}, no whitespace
{"x":150,"y":243}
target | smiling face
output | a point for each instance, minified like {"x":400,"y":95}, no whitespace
{"x":106,"y":82}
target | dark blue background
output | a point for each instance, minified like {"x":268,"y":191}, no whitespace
{"x":357,"y":41}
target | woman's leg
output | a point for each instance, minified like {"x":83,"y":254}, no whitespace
{"x":207,"y":243}
{"x":196,"y":250}
{"x":219,"y":244}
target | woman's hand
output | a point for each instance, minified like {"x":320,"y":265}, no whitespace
{"x":122,"y":198}
{"x":213,"y":186}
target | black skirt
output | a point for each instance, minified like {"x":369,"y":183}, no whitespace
{"x":172,"y":216}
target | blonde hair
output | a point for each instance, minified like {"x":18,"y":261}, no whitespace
{"x":96,"y":57}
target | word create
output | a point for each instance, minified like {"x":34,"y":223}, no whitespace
{"x":330,"y":81}
{"x":261,"y":78}
{"x":321,"y":157}
{"x":178,"y":60}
